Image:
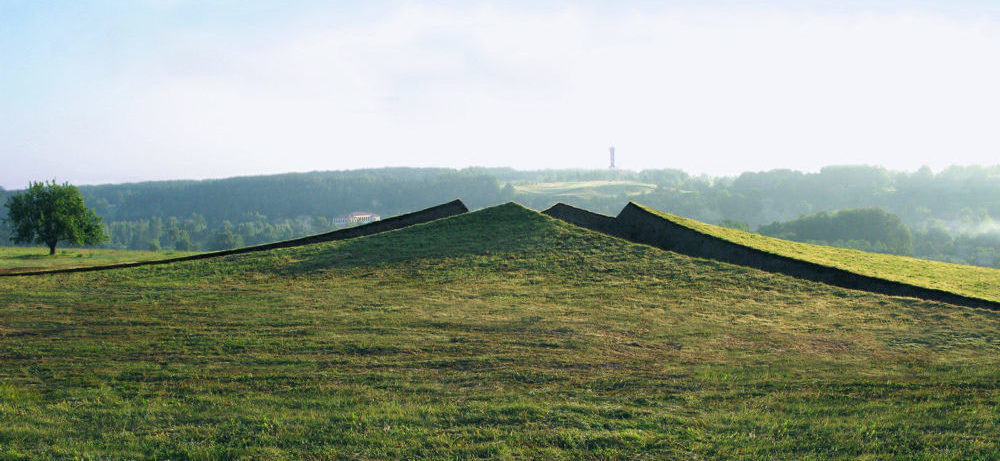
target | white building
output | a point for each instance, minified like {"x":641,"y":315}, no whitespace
{"x":356,"y":219}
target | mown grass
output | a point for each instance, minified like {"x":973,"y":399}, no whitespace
{"x":975,"y":281}
{"x":586,"y":189}
{"x":23,"y":259}
{"x":497,"y":334}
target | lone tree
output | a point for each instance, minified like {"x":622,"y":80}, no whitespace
{"x":48,"y":213}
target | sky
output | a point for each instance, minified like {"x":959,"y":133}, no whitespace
{"x":121,"y":91}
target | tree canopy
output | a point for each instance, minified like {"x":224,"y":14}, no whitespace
{"x":48,"y":213}
{"x":870,"y":229}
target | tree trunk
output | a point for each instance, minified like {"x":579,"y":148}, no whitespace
{"x":52,"y":248}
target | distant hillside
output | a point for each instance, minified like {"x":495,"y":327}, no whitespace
{"x":951,"y":213}
{"x":869,"y":229}
{"x":388,"y":191}
{"x":227,"y":213}
{"x":585,"y":190}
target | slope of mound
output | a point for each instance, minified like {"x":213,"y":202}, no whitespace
{"x":500,"y":333}
{"x":973,"y":281}
{"x":444,"y":210}
{"x":877,"y":273}
{"x":502,"y":229}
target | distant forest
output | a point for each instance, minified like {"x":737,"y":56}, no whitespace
{"x":947,"y":216}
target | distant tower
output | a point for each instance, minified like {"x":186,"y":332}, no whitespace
{"x":612,"y":157}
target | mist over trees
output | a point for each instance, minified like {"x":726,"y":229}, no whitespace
{"x":288,"y":196}
{"x":950,"y":215}
{"x":869,"y":229}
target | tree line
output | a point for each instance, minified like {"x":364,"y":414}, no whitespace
{"x":869,"y":229}
{"x":950,"y":214}
{"x":228,"y":213}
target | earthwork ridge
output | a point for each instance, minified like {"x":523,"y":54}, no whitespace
{"x":634,"y":223}
{"x":641,"y":225}
{"x":455,"y":207}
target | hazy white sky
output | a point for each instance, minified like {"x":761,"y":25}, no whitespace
{"x":126,"y":91}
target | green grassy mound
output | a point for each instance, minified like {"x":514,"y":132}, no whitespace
{"x":452,"y":208}
{"x":974,"y":281}
{"x":499,"y":333}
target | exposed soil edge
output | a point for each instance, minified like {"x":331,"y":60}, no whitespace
{"x":582,"y":218}
{"x":639,"y":225}
{"x":445,"y":210}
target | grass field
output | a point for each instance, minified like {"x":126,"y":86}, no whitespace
{"x":500,"y":333}
{"x":22,"y":259}
{"x":976,"y":281}
{"x":586,"y":189}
